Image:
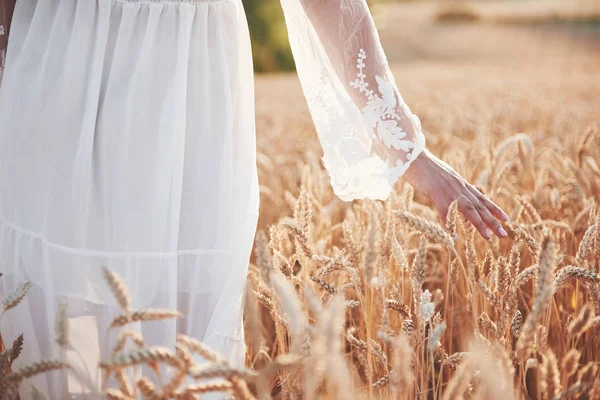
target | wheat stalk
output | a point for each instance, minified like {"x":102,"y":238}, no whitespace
{"x":585,"y":246}
{"x":399,"y":307}
{"x":147,"y":389}
{"x":451,"y":218}
{"x":587,"y":373}
{"x":118,"y":288}
{"x":224,"y":371}
{"x":582,"y":322}
{"x":149,"y":314}
{"x":543,"y":290}
{"x":302,"y":238}
{"x":550,"y":382}
{"x":459,"y":382}
{"x":454,"y":360}
{"x":196,"y":346}
{"x":35,"y":369}
{"x":203,"y":388}
{"x":62,"y":326}
{"x":124,"y":336}
{"x":139,"y":356}
{"x":17,"y":296}
{"x":579,"y":273}
{"x":429,"y":228}
{"x":570,"y":363}
{"x":114,"y":394}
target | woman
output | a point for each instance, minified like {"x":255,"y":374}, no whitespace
{"x":128,"y":140}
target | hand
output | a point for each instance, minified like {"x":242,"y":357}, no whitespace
{"x":442,"y":185}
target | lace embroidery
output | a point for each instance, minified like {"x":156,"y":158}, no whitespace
{"x":380,"y":112}
{"x":347,"y":134}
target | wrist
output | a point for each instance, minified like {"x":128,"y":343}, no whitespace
{"x":419,"y":164}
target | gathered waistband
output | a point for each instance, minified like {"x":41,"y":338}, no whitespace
{"x":173,"y":1}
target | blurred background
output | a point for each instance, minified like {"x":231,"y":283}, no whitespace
{"x":397,"y":20}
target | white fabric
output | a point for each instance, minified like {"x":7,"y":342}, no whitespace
{"x":368,"y":134}
{"x":127,"y":139}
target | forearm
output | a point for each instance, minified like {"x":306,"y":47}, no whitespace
{"x":350,"y":39}
{"x":343,"y":31}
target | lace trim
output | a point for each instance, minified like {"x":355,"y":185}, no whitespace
{"x":380,"y":113}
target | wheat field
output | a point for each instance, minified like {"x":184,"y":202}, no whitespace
{"x":375,"y":300}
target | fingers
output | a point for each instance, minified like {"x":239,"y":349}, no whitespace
{"x":466,"y":206}
{"x":490,"y":205}
{"x":487,"y":216}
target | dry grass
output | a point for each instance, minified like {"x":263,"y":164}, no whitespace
{"x":375,"y":300}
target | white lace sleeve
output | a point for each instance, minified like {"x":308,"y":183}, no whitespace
{"x":368,"y":134}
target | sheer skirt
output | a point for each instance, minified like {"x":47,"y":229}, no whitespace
{"x":127,"y":140}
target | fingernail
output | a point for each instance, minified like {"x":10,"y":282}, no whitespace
{"x":502,"y":232}
{"x":505,"y":217}
{"x":455,"y":236}
{"x":488,"y":233}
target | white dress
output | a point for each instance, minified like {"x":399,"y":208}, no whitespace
{"x":127,"y":140}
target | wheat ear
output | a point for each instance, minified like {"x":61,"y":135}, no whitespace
{"x":118,"y":288}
